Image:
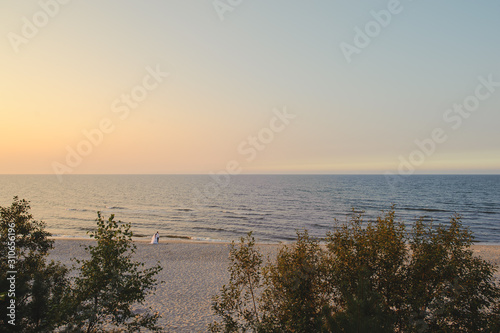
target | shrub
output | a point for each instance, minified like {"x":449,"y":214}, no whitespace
{"x":46,"y":299}
{"x":39,"y":286}
{"x":369,"y":277}
{"x":366,"y":272}
{"x":295,"y":294}
{"x":237,"y":303}
{"x":448,"y":288}
{"x":110,"y":282}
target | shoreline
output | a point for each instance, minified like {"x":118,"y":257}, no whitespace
{"x":167,"y":239}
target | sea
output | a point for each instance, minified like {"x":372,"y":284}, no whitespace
{"x":223,"y":208}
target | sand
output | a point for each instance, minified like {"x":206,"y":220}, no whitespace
{"x":193,"y":272}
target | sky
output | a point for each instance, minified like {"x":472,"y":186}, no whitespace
{"x":239,"y":86}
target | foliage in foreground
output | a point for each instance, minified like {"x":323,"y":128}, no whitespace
{"x":369,"y":277}
{"x":110,"y":282}
{"x":99,"y":298}
{"x":38,"y":286}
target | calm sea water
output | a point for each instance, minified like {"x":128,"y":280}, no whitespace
{"x":273,"y":206}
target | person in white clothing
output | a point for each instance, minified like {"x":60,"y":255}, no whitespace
{"x":156,"y":238}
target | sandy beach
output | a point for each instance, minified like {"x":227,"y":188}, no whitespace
{"x":193,"y":272}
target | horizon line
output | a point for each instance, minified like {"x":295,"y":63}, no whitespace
{"x":254,"y":174}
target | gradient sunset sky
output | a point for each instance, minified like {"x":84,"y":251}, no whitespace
{"x":231,"y":68}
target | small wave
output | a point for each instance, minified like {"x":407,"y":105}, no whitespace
{"x":145,"y":213}
{"x":235,"y":217}
{"x":257,"y":214}
{"x":175,"y":236}
{"x":425,"y":209}
{"x":79,"y":210}
{"x":208,"y":228}
{"x":70,"y":236}
{"x":287,"y":238}
{"x":321,"y":226}
{"x":184,"y":209}
{"x":355,"y":211}
{"x":70,"y":220}
{"x":86,"y":228}
{"x":206,"y":239}
{"x":115,"y":207}
{"x":245,"y":208}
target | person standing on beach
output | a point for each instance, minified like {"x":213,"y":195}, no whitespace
{"x":156,"y":238}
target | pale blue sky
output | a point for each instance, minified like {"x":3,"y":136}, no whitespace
{"x":226,"y":77}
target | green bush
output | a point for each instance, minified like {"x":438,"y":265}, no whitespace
{"x":47,"y":300}
{"x":367,"y":277}
{"x":237,"y":303}
{"x":295,"y":293}
{"x":39,"y":285}
{"x":110,"y":282}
